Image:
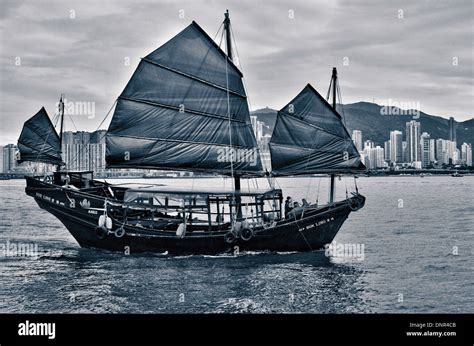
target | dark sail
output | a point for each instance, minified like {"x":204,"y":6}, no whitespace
{"x":39,"y":141}
{"x":309,"y":137}
{"x":176,"y":111}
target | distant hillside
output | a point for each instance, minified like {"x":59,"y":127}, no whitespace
{"x":367,"y":117}
{"x":267,"y":115}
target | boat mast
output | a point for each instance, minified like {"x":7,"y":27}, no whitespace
{"x":332,"y":188}
{"x":61,"y":114}
{"x":227,"y":34}
{"x":229,"y":54}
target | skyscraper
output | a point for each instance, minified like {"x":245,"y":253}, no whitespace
{"x":440,"y":150}
{"x":369,"y":143}
{"x":84,"y":151}
{"x":259,"y":131}
{"x":425,"y":150}
{"x":379,"y":152}
{"x":466,"y":153}
{"x":374,"y":157}
{"x":413,"y":129}
{"x":253,"y":120}
{"x":396,"y":138}
{"x":432,"y":150}
{"x":451,"y":149}
{"x":9,"y":158}
{"x":357,"y":139}
{"x":445,"y":150}
{"x":456,"y":157}
{"x":1,"y":159}
{"x":387,"y":150}
{"x":404,"y":151}
{"x":452,"y":130}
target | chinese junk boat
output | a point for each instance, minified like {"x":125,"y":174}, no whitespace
{"x":185,"y":109}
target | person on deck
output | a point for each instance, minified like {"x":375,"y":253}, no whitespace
{"x":288,"y":206}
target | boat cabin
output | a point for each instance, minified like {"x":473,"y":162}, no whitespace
{"x":79,"y":179}
{"x":202,"y":209}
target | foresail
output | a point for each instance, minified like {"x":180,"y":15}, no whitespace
{"x":39,"y":141}
{"x":310,"y":137}
{"x":177,"y":109}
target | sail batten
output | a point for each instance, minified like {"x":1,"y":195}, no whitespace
{"x":177,"y":109}
{"x":194,"y":77}
{"x":39,"y":141}
{"x":182,"y":141}
{"x":313,"y":125}
{"x":184,"y":108}
{"x":310,"y":138}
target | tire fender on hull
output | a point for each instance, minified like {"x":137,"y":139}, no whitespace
{"x":246,"y":234}
{"x":101,"y":232}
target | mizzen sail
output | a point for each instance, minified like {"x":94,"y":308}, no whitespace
{"x":185,"y":108}
{"x":310,"y":138}
{"x":39,"y":141}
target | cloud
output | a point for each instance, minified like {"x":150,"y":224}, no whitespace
{"x":80,"y":48}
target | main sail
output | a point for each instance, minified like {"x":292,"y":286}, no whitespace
{"x":310,"y":137}
{"x":185,"y":108}
{"x":39,"y":141}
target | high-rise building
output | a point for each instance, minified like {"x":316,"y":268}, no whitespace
{"x":357,"y":139}
{"x":456,"y":157}
{"x":380,"y":158}
{"x":432,"y":150}
{"x":404,"y":151}
{"x":259,"y":130}
{"x":264,"y":148}
{"x":396,"y":139}
{"x":84,"y":151}
{"x":253,"y":120}
{"x":374,"y":157}
{"x":445,"y":151}
{"x":441,"y":151}
{"x":466,"y":153}
{"x":452,"y":130}
{"x":413,"y":129}
{"x":387,"y":150}
{"x":369,"y":143}
{"x":9,"y":158}
{"x":451,"y":147}
{"x":425,"y":150}
{"x":1,"y":159}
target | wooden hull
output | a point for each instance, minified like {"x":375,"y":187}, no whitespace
{"x":315,"y":229}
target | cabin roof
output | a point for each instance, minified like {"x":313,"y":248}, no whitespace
{"x":172,"y":190}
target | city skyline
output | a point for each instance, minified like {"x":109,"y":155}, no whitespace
{"x":418,"y":149}
{"x":89,"y":55}
{"x":84,"y":150}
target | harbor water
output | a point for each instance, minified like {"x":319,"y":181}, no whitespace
{"x":414,"y":253}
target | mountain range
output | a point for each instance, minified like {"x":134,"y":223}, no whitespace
{"x":376,"y":123}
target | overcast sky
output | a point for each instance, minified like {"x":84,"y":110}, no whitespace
{"x":406,"y":51}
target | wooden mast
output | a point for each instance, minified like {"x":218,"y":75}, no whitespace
{"x":228,"y":37}
{"x":229,"y":54}
{"x":61,"y":114}
{"x":332,"y":188}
